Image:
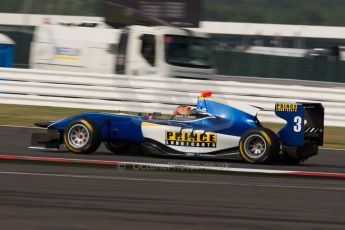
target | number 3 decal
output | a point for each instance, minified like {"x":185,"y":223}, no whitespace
{"x":298,"y":124}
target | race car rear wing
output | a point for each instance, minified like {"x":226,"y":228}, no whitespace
{"x":305,"y":123}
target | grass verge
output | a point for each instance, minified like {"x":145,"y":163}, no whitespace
{"x":21,"y":115}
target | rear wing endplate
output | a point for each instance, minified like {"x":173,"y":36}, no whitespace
{"x":305,"y":123}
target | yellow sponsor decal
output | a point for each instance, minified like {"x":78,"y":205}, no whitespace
{"x":191,"y":139}
{"x":286,"y":107}
{"x":70,"y":58}
{"x":149,"y":124}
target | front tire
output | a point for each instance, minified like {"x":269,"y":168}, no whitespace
{"x":259,"y":145}
{"x":82,"y":136}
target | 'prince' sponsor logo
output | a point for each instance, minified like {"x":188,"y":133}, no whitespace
{"x":286,"y":107}
{"x":191,"y":139}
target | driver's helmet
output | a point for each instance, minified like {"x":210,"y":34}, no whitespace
{"x":183,"y":110}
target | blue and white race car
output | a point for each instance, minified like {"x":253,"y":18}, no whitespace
{"x":209,"y":129}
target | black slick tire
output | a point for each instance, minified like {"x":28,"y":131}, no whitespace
{"x":259,"y":146}
{"x":82,"y":136}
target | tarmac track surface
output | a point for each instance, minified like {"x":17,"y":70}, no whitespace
{"x":36,"y":196}
{"x":61,"y":197}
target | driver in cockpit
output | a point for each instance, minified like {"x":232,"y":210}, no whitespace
{"x":183,"y":110}
{"x":186,"y":111}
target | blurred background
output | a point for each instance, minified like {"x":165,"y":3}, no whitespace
{"x":294,"y":39}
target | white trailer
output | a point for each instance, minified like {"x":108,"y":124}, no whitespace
{"x":134,"y":50}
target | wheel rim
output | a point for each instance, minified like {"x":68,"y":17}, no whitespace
{"x":78,"y":136}
{"x":255,"y":146}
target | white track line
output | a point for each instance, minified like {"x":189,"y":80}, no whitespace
{"x":177,"y":167}
{"x":176,"y":181}
{"x":21,"y":127}
{"x":334,"y":149}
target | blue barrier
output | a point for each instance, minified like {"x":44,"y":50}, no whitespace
{"x":6,"y":55}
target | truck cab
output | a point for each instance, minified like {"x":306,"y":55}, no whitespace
{"x":135,"y":50}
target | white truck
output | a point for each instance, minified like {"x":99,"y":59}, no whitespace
{"x":134,"y":50}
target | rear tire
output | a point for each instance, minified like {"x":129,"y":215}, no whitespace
{"x":259,"y":145}
{"x":82,"y":136}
